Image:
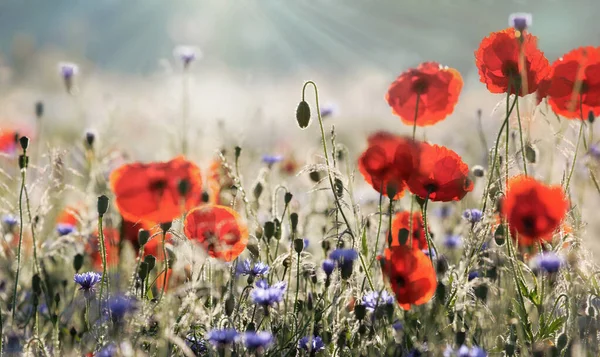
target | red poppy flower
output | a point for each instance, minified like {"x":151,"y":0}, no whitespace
{"x":111,"y":244}
{"x":388,"y":161}
{"x":574,"y":84}
{"x":153,"y":192}
{"x":218,"y":229}
{"x":436,"y":87}
{"x":533,"y":210}
{"x":441,"y":175}
{"x":503,"y":58}
{"x":9,"y":141}
{"x":410,"y":274}
{"x":70,"y":215}
{"x":402,"y":221}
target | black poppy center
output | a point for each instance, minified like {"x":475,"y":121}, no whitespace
{"x":528,"y":224}
{"x":158,"y":185}
{"x":431,"y":187}
{"x":420,"y":85}
{"x":585,"y":87}
{"x":400,"y":281}
{"x":510,"y":69}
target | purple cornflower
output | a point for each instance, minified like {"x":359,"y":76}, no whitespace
{"x":520,"y":21}
{"x":10,"y":220}
{"x":463,"y":351}
{"x":548,"y":262}
{"x":329,"y":110}
{"x":107,"y":351}
{"x":187,"y":54}
{"x":306,"y":243}
{"x":311,"y":343}
{"x":594,"y":152}
{"x":87,"y":282}
{"x":252,"y":269}
{"x":256,"y":340}
{"x":374,"y":299}
{"x":222,"y":337}
{"x":64,"y":228}
{"x":477,"y":352}
{"x":344,"y":259}
{"x":472,"y":215}
{"x":196,"y":344}
{"x":266,"y":295}
{"x":68,"y":70}
{"x":453,"y":241}
{"x":444,"y":211}
{"x":473,"y":274}
{"x":121,"y":305}
{"x":272,"y":159}
{"x":426,"y":252}
{"x":328,"y":266}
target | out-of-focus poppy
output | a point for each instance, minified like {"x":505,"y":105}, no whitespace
{"x":440,"y":175}
{"x":533,"y":210}
{"x":218,"y":229}
{"x":511,"y":58}
{"x":388,"y":162}
{"x":573,"y":86}
{"x":9,"y":141}
{"x":410,"y":274}
{"x":435,"y":87}
{"x":218,"y":180}
{"x":111,"y":244}
{"x":402,"y":221}
{"x":156,"y":192}
{"x":71,"y":215}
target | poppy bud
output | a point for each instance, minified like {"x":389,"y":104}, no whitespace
{"x":591,"y":117}
{"x":499,"y":236}
{"x":205,"y":197}
{"x":39,"y":109}
{"x":73,"y":332}
{"x":287,"y":198}
{"x":315,"y":176}
{"x":460,"y":338}
{"x":440,"y":292}
{"x":277,"y":229}
{"x":531,"y":153}
{"x":339,"y":187}
{"x":36,"y":284}
{"x":391,"y":190}
{"x":441,"y":265}
{"x":151,"y":261}
{"x":56,"y":299}
{"x":257,"y":190}
{"x":24,"y":141}
{"x":294,"y":221}
{"x":89,"y":139}
{"x":303,"y":115}
{"x":478,"y":171}
{"x":77,"y":262}
{"x":166,"y":226}
{"x":360,"y":311}
{"x":183,"y":187}
{"x":251,"y":327}
{"x":561,"y":341}
{"x":229,"y":305}
{"x":481,"y":292}
{"x":143,"y":236}
{"x":102,"y":205}
{"x":298,"y":245}
{"x":171,"y":256}
{"x":287,"y":262}
{"x":238,"y":151}
{"x":509,"y":349}
{"x":143,"y":271}
{"x":23,"y":161}
{"x":269,"y":230}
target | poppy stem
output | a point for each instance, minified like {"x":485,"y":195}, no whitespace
{"x":574,"y":156}
{"x":104,"y":275}
{"x":414,"y":131}
{"x":166,"y":258}
{"x":14,"y":300}
{"x":378,"y":228}
{"x":521,"y":137}
{"x":426,"y":229}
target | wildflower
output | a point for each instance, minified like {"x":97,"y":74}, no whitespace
{"x":10,"y":221}
{"x":110,"y":350}
{"x":151,"y":192}
{"x":441,"y":175}
{"x":187,"y":54}
{"x":329,"y":110}
{"x":431,"y":88}
{"x":453,"y":241}
{"x":311,"y":344}
{"x":472,"y":215}
{"x":9,"y":140}
{"x":68,"y":70}
{"x":571,"y":87}
{"x":266,"y":295}
{"x":252,"y":269}
{"x":533,"y":210}
{"x":196,"y":344}
{"x":402,"y":221}
{"x":218,"y":229}
{"x":63,"y":229}
{"x":463,"y":351}
{"x":510,"y":61}
{"x":256,"y":340}
{"x":473,"y":275}
{"x":397,"y":325}
{"x":328,"y":266}
{"x":477,"y":352}
{"x":426,"y":252}
{"x":594,"y":151}
{"x":272,"y":159}
{"x":222,"y":337}
{"x":120,"y":306}
{"x":373,"y":299}
{"x":388,"y":162}
{"x":548,"y":262}
{"x":87,"y":282}
{"x":410,"y":274}
{"x":520,"y":21}
{"x":344,"y":259}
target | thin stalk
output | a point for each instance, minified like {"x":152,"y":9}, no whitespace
{"x":414,"y":132}
{"x":164,"y":249}
{"x":521,"y":136}
{"x":426,"y":228}
{"x":297,"y":283}
{"x":14,"y":301}
{"x":104,"y":275}
{"x":574,"y":157}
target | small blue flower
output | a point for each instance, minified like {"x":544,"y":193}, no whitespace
{"x":328,"y":110}
{"x":187,"y":54}
{"x":328,"y":266}
{"x":254,"y":270}
{"x":594,"y":152}
{"x":477,"y":352}
{"x":444,"y":211}
{"x":414,"y":353}
{"x":256,"y":340}
{"x":426,"y":252}
{"x":311,"y":343}
{"x":67,"y":70}
{"x":548,"y":262}
{"x":10,"y":220}
{"x":222,"y":337}
{"x":266,"y":295}
{"x":374,"y":299}
{"x":306,"y":243}
{"x":107,"y":351}
{"x":87,"y":281}
{"x":272,"y":159}
{"x":344,"y":259}
{"x":463,"y":351}
{"x":63,"y":229}
{"x":453,"y":241}
{"x":473,"y":274}
{"x":520,"y":21}
{"x":196,"y":344}
{"x":472,"y":215}
{"x":397,"y":325}
{"x":121,"y":305}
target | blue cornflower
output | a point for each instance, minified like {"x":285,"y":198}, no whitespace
{"x":252,"y":269}
{"x":453,"y":241}
{"x":256,"y":340}
{"x":463,"y":351}
{"x":67,"y":70}
{"x":10,"y":220}
{"x":107,"y":351}
{"x":472,"y":215}
{"x":426,"y":252}
{"x":121,"y":305}
{"x":328,"y":110}
{"x":311,"y":344}
{"x":477,"y":352}
{"x":196,"y":344}
{"x":374,"y":299}
{"x":473,"y":274}
{"x":344,"y":259}
{"x":13,"y":344}
{"x":548,"y":262}
{"x":397,"y":325}
{"x":594,"y":152}
{"x":271,"y":159}
{"x":87,"y":281}
{"x":266,"y":295}
{"x":306,"y":242}
{"x":328,"y":266}
{"x":187,"y":54}
{"x":520,"y":21}
{"x":64,"y":228}
{"x":222,"y":337}
{"x":444,"y":211}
